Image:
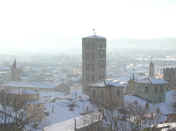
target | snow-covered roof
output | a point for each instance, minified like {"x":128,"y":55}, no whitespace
{"x":94,"y":37}
{"x":167,"y":126}
{"x":28,"y":85}
{"x":152,"y":81}
{"x":113,"y":83}
{"x":164,"y":107}
{"x":81,"y":121}
{"x":171,"y":98}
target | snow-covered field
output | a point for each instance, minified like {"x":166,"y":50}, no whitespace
{"x":59,"y":106}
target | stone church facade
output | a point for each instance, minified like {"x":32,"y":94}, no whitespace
{"x":107,"y":95}
{"x":149,"y":88}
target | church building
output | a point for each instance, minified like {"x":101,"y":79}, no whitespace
{"x":149,"y":88}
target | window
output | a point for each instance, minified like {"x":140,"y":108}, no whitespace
{"x":161,"y":89}
{"x":146,"y":89}
{"x":93,"y":78}
{"x":101,"y":53}
{"x":118,"y":92}
{"x":156,"y":90}
{"x":101,"y":45}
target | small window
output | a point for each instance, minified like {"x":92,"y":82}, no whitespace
{"x":146,"y":89}
{"x":93,"y":78}
{"x":156,"y":90}
{"x":118,"y":92}
{"x":161,"y":89}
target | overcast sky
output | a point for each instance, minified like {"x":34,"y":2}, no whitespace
{"x":42,"y":24}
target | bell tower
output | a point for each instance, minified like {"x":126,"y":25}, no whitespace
{"x":93,"y":60}
{"x":151,"y":69}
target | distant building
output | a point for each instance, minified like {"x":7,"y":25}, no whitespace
{"x":107,"y":93}
{"x":151,"y":69}
{"x":93,"y":60}
{"x":28,"y":90}
{"x":149,"y":88}
{"x":15,"y":72}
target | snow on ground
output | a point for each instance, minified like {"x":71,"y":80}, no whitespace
{"x":58,"y":106}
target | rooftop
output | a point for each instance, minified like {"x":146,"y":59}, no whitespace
{"x":95,"y":37}
{"x":113,"y":83}
{"x":152,"y":81}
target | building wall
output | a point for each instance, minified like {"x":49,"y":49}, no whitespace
{"x":107,"y":96}
{"x":93,"y":60}
{"x":15,"y":74}
{"x":170,"y":76}
{"x":154,"y":93}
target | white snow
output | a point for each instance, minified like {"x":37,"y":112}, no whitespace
{"x":171,"y":98}
{"x":114,"y":83}
{"x":80,"y":122}
{"x":58,"y":107}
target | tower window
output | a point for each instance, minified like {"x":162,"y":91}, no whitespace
{"x":161,"y":89}
{"x":146,"y":89}
{"x":118,"y":92}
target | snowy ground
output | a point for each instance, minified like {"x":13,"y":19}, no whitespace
{"x":57,"y":105}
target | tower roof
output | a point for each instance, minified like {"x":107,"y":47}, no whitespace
{"x":94,"y":37}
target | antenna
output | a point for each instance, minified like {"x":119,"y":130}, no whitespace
{"x":94,"y":32}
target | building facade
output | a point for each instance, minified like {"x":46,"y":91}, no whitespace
{"x":151,"y":89}
{"x":107,"y":94}
{"x":169,"y":74}
{"x":93,"y":60}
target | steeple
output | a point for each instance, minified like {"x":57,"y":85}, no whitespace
{"x":14,"y":64}
{"x":151,"y":69}
{"x":15,"y":74}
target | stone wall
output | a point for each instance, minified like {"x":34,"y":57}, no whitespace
{"x":107,"y":96}
{"x":169,"y":74}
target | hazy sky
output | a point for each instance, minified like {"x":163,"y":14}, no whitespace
{"x":42,"y":24}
